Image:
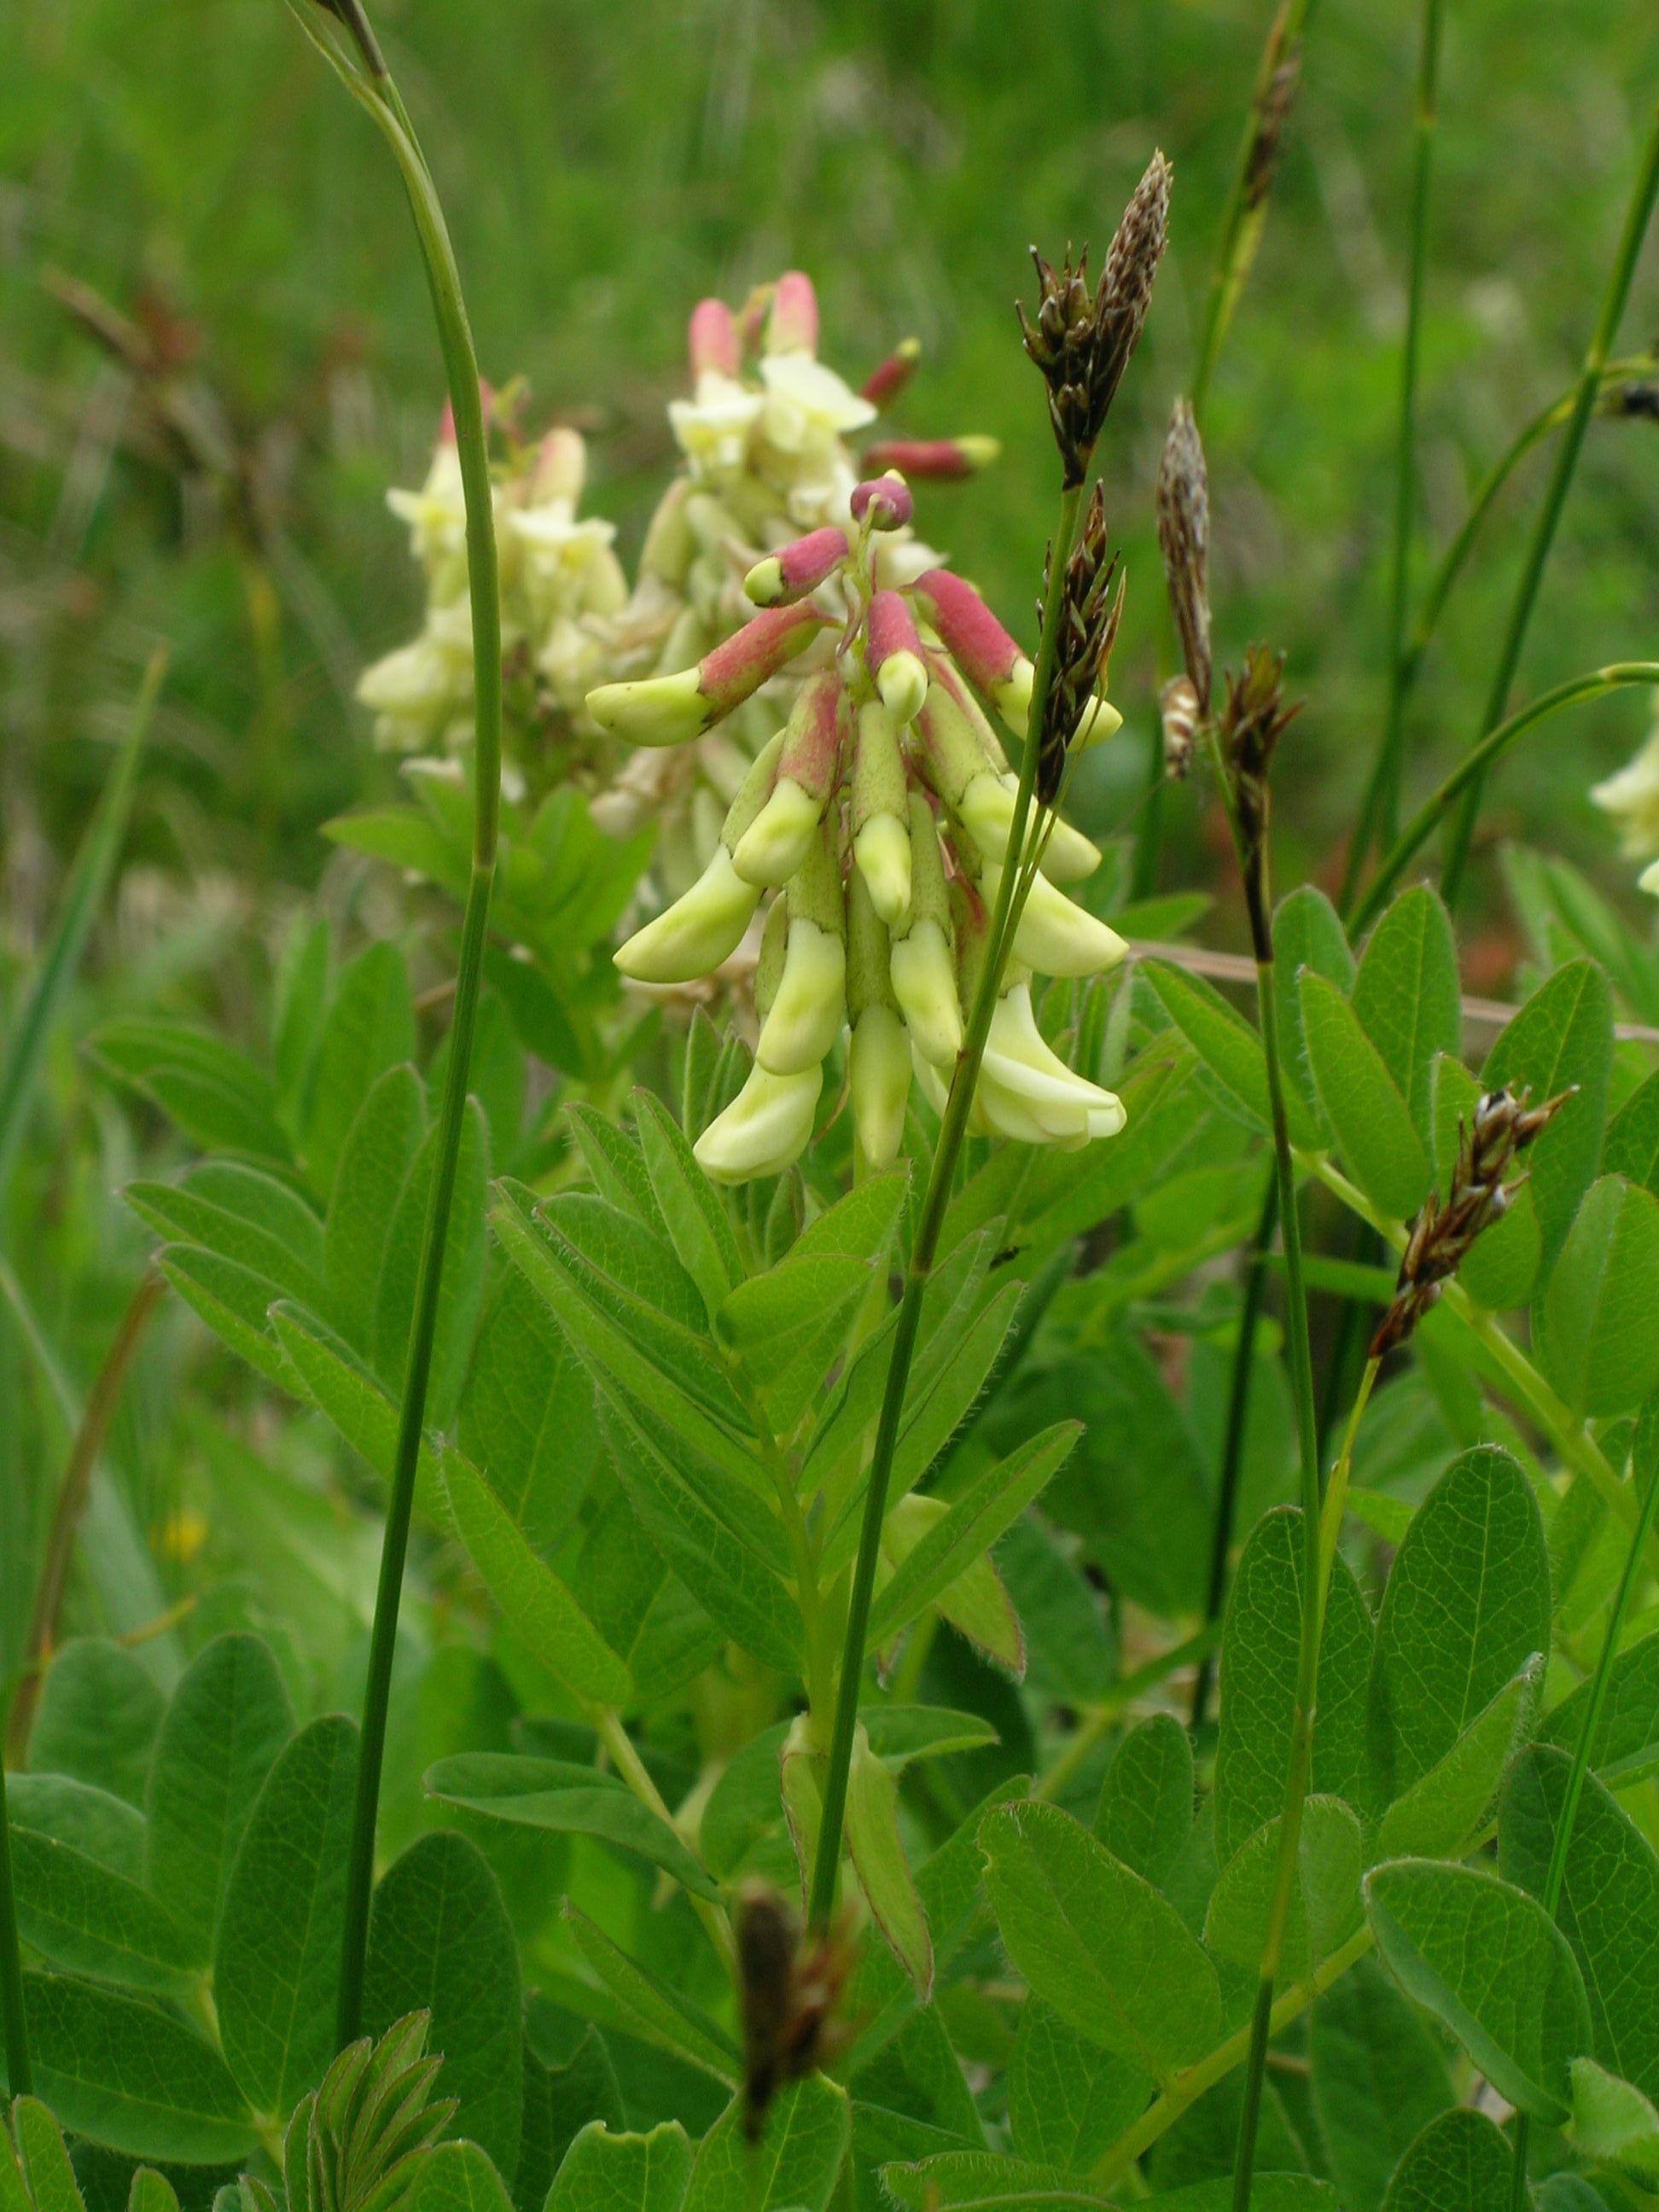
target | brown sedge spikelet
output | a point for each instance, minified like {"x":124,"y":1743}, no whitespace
{"x":1502,"y":1128}
{"x":788,"y":1990}
{"x":1089,"y":616}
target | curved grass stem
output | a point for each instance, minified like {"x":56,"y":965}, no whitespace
{"x":1011,"y":899}
{"x":1637,"y":217}
{"x":365,"y":75}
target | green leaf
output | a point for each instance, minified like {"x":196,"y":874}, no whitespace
{"x":370,"y":1028}
{"x":1373,"y":1123}
{"x":1259,"y":1649}
{"x":657,"y":2009}
{"x":606,"y":2173}
{"x":1408,"y":995}
{"x":1626,"y":1746}
{"x":461,"y":1292}
{"x":98,"y":1716}
{"x":1467,"y":1606}
{"x":883,"y":1871}
{"x":742,"y":1591}
{"x":970,"y":1526}
{"x":354,"y":1400}
{"x":1308,"y":933}
{"x":229,"y":1720}
{"x":1097,"y":1941}
{"x":1562,"y":1036}
{"x":151,"y":2193}
{"x":559,"y":2101}
{"x":788,"y":1324}
{"x":616,"y":1165}
{"x":527,"y":1420}
{"x":457,"y":2177}
{"x":1068,"y":2100}
{"x":219,"y":1098}
{"x":1325,"y":1905}
{"x":402,"y":835}
{"x":39,"y":2173}
{"x":1145,"y":1811}
{"x":1485,"y":1959}
{"x":1378,"y":2079}
{"x":1609,"y":1908}
{"x":1613,"y":2123}
{"x":278,"y":1953}
{"x":79,"y":1914}
{"x":533,"y":1601}
{"x":1443,"y":1812}
{"x":1459,"y":2163}
{"x":689,"y":1204}
{"x":807,"y":2133}
{"x":1598,"y":1346}
{"x":103,"y":1827}
{"x":569,"y":1799}
{"x":439,"y":1941}
{"x":978,"y":2181}
{"x":1229,"y":1049}
{"x":1269,"y":2192}
{"x":245,"y":1216}
{"x":132,"y":2077}
{"x":233,"y":1302}
{"x":640,"y":1605}
{"x":374,"y":1167}
{"x":1632,"y":1141}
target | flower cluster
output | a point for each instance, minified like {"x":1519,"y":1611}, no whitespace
{"x":879,"y":815}
{"x":562,"y":589}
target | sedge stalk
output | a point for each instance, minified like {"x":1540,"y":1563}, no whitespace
{"x":1011,"y":900}
{"x":366,"y":76}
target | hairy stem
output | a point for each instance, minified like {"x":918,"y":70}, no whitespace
{"x":1011,"y":897}
{"x":608,"y":1724}
{"x":1380,"y":813}
{"x":1636,"y":216}
{"x":1562,"y":1843}
{"x":1591,"y":685}
{"x":373,"y":87}
{"x":70,"y":1503}
{"x":1232,"y":1453}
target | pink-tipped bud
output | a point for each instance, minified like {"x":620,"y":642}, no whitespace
{"x":561,"y":465}
{"x":897,"y":667}
{"x":792,"y":326}
{"x":728,"y":675}
{"x":885,"y":383}
{"x":934,"y":459}
{"x":886,"y":499}
{"x":797,"y":569}
{"x":977,"y":641}
{"x":711,"y":339}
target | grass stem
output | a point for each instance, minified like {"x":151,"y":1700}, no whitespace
{"x":1010,"y":896}
{"x":369,"y":82}
{"x":1637,"y":217}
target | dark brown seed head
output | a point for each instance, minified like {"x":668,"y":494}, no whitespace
{"x":1501,"y":1128}
{"x":1089,"y":618}
{"x":1183,"y":532}
{"x":788,"y":1994}
{"x":1272,"y":112}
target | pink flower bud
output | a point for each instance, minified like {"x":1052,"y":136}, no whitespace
{"x":885,"y":383}
{"x":728,"y":675}
{"x":792,"y":326}
{"x":797,"y":569}
{"x":711,"y":339}
{"x":984,"y":650}
{"x":932,"y":458}
{"x":886,"y":499}
{"x":561,"y":466}
{"x":897,"y":667}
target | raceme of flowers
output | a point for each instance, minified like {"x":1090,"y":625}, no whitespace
{"x":880,"y":816}
{"x":763,"y":437}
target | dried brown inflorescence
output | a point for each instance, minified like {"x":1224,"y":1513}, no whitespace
{"x":1089,"y":618}
{"x":1082,"y":341}
{"x":1502,"y":1127}
{"x":787,"y":1991}
{"x":1184,"y":533}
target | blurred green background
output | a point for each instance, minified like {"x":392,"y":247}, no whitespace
{"x":603,"y":167}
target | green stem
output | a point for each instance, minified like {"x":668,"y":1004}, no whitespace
{"x":1590,"y":685}
{"x":1010,"y":895}
{"x":1232,"y":1454}
{"x":1379,"y":814}
{"x":1562,"y":1844}
{"x":1637,"y":217}
{"x":373,"y":87}
{"x":1183,"y":2093}
{"x":613,"y":1735}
